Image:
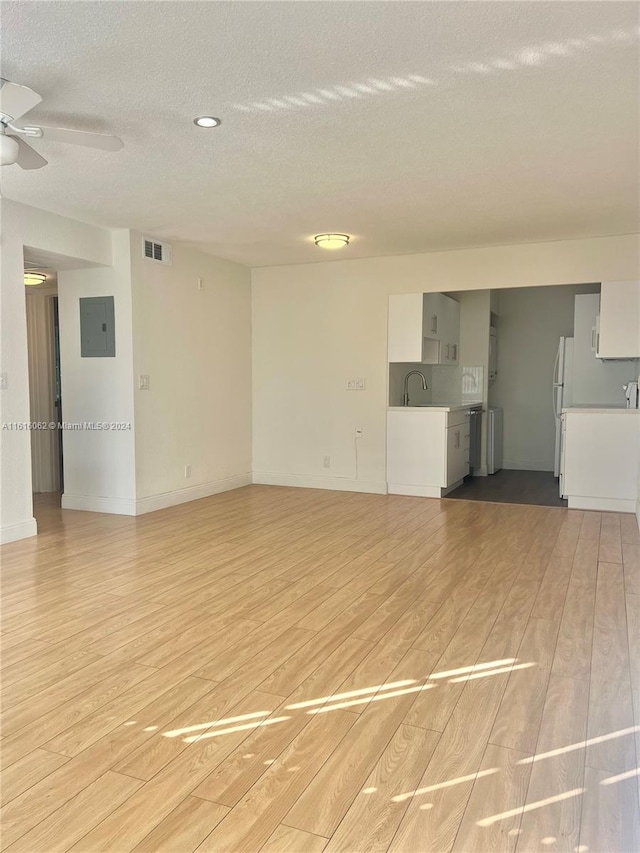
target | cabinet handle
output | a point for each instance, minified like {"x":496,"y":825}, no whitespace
{"x":456,"y":436}
{"x":446,"y":354}
{"x":593,"y":339}
{"x":434,"y":323}
{"x":454,"y":347}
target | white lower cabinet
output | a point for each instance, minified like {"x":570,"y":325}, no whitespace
{"x":457,"y":453}
{"x":427,"y":451}
{"x":600,"y":460}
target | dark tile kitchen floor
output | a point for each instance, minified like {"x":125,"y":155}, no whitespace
{"x":513,"y":487}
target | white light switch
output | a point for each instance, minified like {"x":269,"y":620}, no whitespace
{"x":3,"y":381}
{"x":355,"y":384}
{"x":143,"y":382}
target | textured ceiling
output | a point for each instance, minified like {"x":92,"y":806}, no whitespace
{"x":411,"y":126}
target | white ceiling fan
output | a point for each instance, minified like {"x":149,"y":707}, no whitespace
{"x":15,"y":101}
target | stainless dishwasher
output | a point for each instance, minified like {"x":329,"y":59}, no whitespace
{"x":475,"y":438}
{"x":494,"y":440}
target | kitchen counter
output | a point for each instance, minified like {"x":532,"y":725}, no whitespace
{"x":595,"y":409}
{"x":435,"y":407}
{"x":600,"y":455}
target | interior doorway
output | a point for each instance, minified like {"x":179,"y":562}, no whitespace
{"x":45,"y":383}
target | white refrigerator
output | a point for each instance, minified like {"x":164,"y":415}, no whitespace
{"x":582,"y":379}
{"x":562,"y":394}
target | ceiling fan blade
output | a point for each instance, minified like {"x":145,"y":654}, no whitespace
{"x":28,"y":157}
{"x":16,"y":100}
{"x":82,"y":137}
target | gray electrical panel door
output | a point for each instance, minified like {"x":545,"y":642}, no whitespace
{"x":97,"y":327}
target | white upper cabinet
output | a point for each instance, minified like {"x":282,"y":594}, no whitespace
{"x":593,"y":380}
{"x":619,"y":322}
{"x":405,"y":327}
{"x":441,"y":322}
{"x":423,"y":327}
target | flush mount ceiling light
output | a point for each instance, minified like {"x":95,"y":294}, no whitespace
{"x":32,"y":278}
{"x":332,"y":241}
{"x":207,"y":121}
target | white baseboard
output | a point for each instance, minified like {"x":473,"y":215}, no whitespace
{"x":421,"y":491}
{"x":481,"y":472}
{"x":526,"y":465}
{"x":194,"y":493}
{"x":602,"y":504}
{"x":21,"y":530}
{"x":91,"y":503}
{"x":141,"y":506}
{"x":336,"y":484}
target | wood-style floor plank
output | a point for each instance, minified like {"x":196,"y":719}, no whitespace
{"x":373,"y":817}
{"x":573,"y":650}
{"x":50,"y":793}
{"x":69,"y":823}
{"x":610,"y":706}
{"x":301,"y":670}
{"x":250,"y":824}
{"x":28,"y":771}
{"x":492,"y":817}
{"x":564,"y":722}
{"x":184,"y":829}
{"x":326,"y":800}
{"x":285,"y":839}
{"x":526,"y":688}
{"x":610,"y":813}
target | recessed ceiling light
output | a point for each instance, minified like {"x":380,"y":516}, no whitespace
{"x":33,"y":278}
{"x":332,"y":241}
{"x":207,"y":121}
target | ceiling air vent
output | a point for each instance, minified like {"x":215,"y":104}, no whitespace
{"x":153,"y":251}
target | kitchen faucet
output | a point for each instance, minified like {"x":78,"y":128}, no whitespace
{"x":405,"y":398}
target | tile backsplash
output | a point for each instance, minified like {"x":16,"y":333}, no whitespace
{"x":462,"y":384}
{"x":450,"y":384}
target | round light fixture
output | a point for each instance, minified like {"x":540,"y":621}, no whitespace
{"x":33,"y":278}
{"x":207,"y":121}
{"x":332,"y":241}
{"x":9,"y":150}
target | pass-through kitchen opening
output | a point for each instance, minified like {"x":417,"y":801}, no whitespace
{"x":499,"y":395}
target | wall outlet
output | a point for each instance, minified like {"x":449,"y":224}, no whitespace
{"x":326,"y":462}
{"x":355,"y":385}
{"x":358,"y":432}
{"x":144,"y":383}
{"x":187,"y":471}
{"x":4,"y":381}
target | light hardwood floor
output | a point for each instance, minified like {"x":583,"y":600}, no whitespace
{"x":279,"y":670}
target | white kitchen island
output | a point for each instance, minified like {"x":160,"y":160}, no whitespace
{"x":600,"y":458}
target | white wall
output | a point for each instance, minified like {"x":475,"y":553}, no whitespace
{"x":315,"y":325}
{"x":530,"y":323}
{"x":195,"y":345}
{"x":26,"y":226}
{"x":99,"y":465}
